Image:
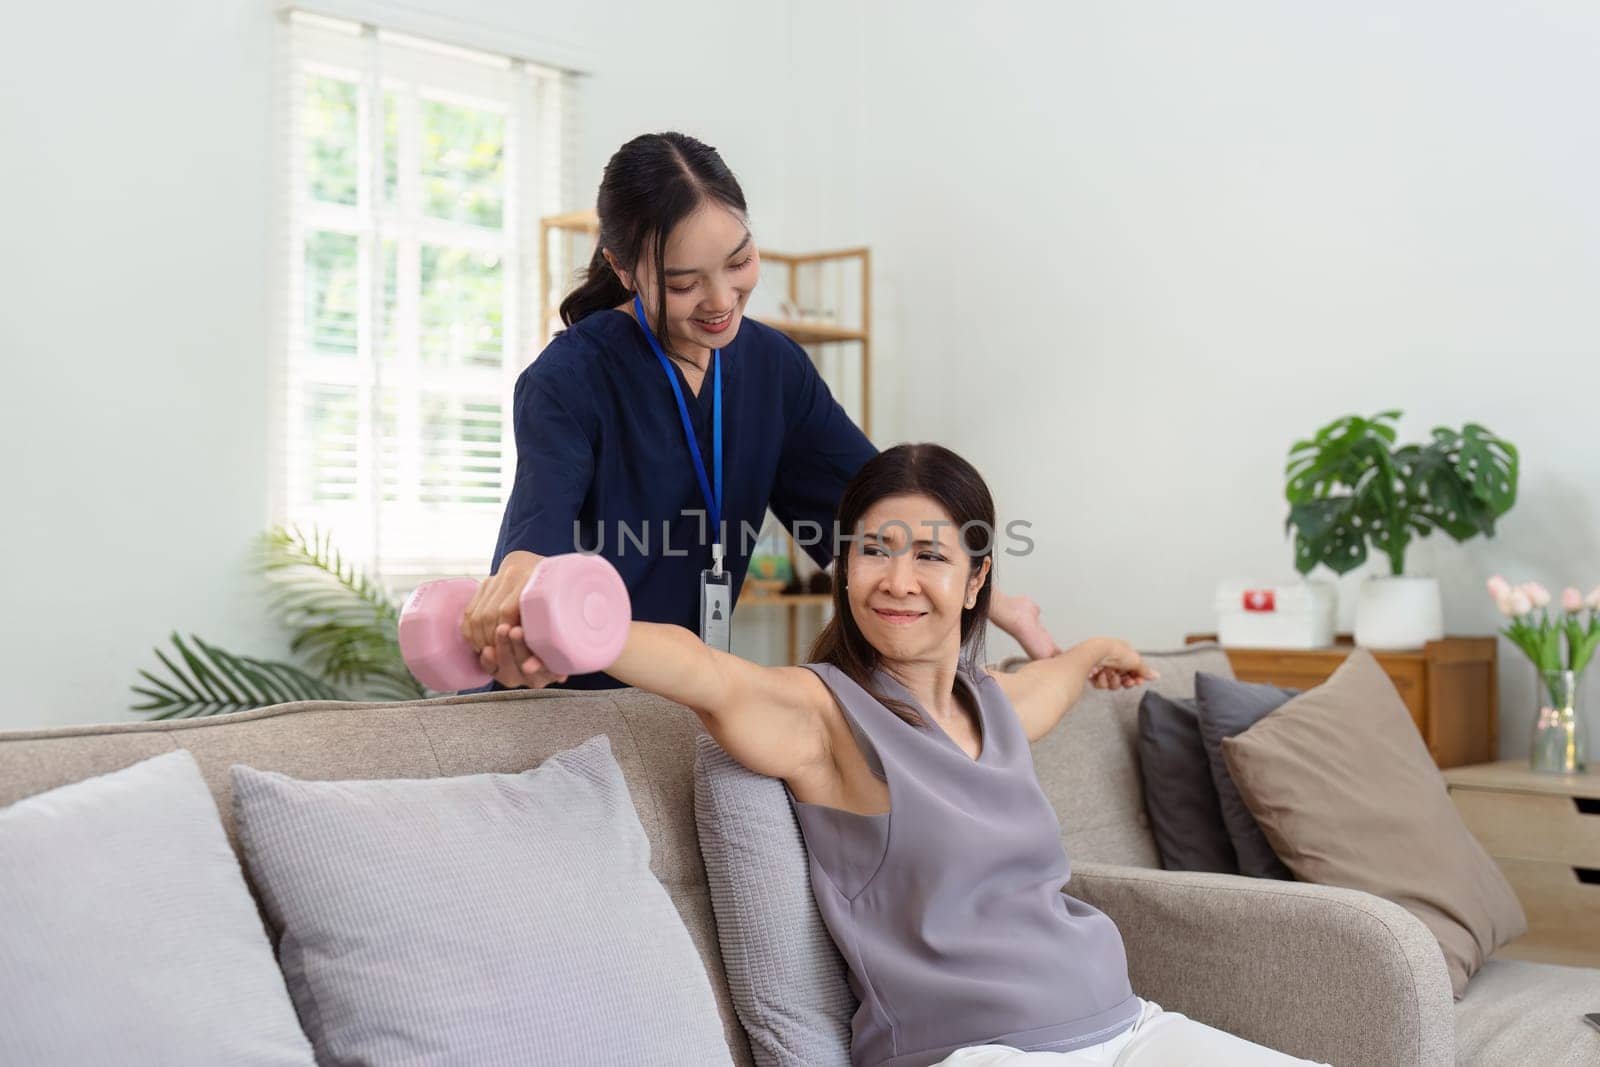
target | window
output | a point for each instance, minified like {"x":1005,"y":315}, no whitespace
{"x":416,"y":176}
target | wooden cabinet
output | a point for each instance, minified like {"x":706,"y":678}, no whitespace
{"x":1544,"y":832}
{"x":1449,"y":686}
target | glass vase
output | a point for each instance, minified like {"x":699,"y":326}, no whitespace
{"x":1560,"y":736}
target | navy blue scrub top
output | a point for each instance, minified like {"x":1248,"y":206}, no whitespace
{"x":600,"y":441}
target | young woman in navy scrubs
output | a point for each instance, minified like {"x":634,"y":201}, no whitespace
{"x":602,"y":440}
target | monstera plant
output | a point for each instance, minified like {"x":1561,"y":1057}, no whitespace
{"x":342,"y":624}
{"x":1350,"y":487}
{"x":1353,"y":491}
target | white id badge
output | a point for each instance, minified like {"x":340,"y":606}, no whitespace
{"x":716,"y":609}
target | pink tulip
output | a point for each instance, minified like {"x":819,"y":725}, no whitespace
{"x":1519,"y":601}
{"x":1571,"y":601}
{"x":1593,"y":601}
{"x":1498,"y":588}
{"x":1503,"y":602}
{"x":1538,"y":595}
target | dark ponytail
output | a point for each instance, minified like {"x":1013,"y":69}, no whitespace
{"x":650,"y":185}
{"x":600,"y":288}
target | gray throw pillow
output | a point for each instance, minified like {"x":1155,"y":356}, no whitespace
{"x":486,"y":919}
{"x":128,"y":935}
{"x":1227,"y":708}
{"x":1179,"y":794}
{"x":789,"y":983}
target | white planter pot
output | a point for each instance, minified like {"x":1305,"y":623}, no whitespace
{"x":1398,"y":612}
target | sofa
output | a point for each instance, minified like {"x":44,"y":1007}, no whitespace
{"x":1324,"y":973}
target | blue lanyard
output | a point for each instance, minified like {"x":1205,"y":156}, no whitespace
{"x":713,"y":500}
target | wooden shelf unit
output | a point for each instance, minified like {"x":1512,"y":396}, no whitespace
{"x":811,"y":332}
{"x":573,"y":226}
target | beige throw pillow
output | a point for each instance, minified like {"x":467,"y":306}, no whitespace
{"x":1345,"y":791}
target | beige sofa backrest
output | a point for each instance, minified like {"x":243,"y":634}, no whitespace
{"x":1087,"y":765}
{"x":652,"y":739}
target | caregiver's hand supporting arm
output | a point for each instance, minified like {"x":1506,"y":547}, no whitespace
{"x":770,"y":719}
{"x":494,"y":614}
{"x":1044,"y":689}
{"x":1019,"y":617}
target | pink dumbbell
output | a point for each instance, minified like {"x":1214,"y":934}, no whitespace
{"x":575,"y":615}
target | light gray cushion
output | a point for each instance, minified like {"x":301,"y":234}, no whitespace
{"x":127,"y":935}
{"x":485,"y":919}
{"x":1517,"y":1011}
{"x":1228,"y":708}
{"x":788,"y":980}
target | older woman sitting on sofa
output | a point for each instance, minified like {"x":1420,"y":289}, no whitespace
{"x":935,"y":858}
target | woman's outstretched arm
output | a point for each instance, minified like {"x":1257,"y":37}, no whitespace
{"x":770,"y":719}
{"x":1043,"y":689}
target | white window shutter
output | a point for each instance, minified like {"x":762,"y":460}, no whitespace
{"x":416,"y":176}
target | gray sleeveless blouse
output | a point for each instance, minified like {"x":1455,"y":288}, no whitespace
{"x":949,"y":909}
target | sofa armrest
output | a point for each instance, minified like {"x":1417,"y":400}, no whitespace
{"x":1327,"y":974}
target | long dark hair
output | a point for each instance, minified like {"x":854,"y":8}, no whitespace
{"x":933,"y":471}
{"x":650,"y":185}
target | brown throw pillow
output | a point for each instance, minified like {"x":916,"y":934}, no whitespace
{"x":1343,"y":786}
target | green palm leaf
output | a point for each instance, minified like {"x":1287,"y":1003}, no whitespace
{"x":207,"y":680}
{"x":341,"y":623}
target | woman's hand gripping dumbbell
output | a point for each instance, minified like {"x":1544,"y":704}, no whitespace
{"x":570,"y":611}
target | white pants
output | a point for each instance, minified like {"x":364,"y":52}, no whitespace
{"x":1157,"y":1039}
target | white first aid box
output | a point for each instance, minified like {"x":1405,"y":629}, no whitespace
{"x":1253,"y":614}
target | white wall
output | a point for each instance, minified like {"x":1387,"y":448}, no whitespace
{"x":138,"y":188}
{"x":1131,"y":252}
{"x":1125,"y":254}
{"x":137,"y":195}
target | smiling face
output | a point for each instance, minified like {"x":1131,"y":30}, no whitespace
{"x":908,"y":580}
{"x":711,"y":266}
